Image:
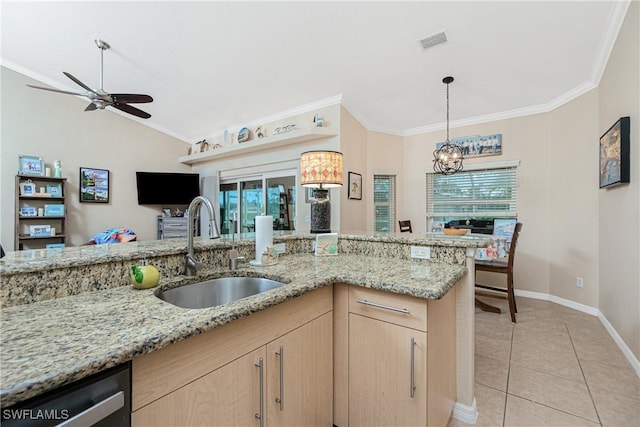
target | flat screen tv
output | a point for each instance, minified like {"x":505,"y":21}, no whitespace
{"x":167,"y":188}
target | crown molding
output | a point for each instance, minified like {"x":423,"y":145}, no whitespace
{"x":608,"y":41}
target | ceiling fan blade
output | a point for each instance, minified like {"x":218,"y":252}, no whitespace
{"x":78,"y":82}
{"x":131,"y":110}
{"x":130,"y":98}
{"x":56,"y":90}
{"x":91,"y":107}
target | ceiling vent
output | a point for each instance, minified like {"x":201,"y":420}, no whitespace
{"x":433,"y":40}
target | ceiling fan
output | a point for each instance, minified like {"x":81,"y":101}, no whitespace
{"x":101,"y":99}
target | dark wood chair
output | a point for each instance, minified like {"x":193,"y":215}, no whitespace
{"x":504,"y":267}
{"x":405,"y":226}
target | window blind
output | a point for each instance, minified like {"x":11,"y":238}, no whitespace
{"x":490,"y":192}
{"x":384,"y":203}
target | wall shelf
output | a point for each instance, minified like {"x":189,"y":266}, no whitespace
{"x":266,"y":143}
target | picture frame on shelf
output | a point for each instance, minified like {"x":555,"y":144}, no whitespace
{"x":55,"y":190}
{"x":355,"y":186}
{"x":30,"y":165}
{"x":614,"y":154}
{"x":94,"y":185}
{"x":40,"y":230}
{"x":27,"y":188}
{"x":28,"y":211}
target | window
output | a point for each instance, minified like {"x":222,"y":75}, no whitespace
{"x":484,"y":191}
{"x":384,"y":203}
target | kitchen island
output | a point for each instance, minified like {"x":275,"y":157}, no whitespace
{"x":49,"y":343}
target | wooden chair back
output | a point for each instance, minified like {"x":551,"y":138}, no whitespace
{"x":512,"y":247}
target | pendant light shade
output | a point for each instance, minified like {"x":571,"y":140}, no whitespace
{"x":448,"y":158}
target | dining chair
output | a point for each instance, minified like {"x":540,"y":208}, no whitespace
{"x":504,"y":267}
{"x":405,"y":226}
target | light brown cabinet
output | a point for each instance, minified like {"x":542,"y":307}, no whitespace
{"x":285,"y":379}
{"x":387,"y":374}
{"x":394,"y":358}
{"x":298,"y":364}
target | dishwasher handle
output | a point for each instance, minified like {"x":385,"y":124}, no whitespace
{"x":97,"y":412}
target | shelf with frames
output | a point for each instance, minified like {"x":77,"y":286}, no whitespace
{"x":22,"y":239}
{"x":260,"y":144}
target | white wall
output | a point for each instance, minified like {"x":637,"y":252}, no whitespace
{"x":54,"y":126}
{"x":619,"y":207}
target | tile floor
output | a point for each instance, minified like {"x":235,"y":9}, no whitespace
{"x":555,"y":367}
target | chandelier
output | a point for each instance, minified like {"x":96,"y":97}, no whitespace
{"x":448,"y":158}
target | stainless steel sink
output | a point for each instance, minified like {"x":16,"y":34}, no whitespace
{"x":216,"y":291}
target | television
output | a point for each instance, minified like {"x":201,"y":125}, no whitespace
{"x":167,"y":188}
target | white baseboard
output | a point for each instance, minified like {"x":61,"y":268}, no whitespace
{"x":628,"y":354}
{"x":635,"y":363}
{"x":466,"y":414}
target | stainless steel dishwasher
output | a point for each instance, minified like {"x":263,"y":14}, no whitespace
{"x":102,"y":400}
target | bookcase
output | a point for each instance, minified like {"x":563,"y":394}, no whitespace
{"x":40,"y":212}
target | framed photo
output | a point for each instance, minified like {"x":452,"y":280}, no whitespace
{"x":55,"y":190}
{"x":614,"y":154}
{"x":355,"y":186}
{"x":478,"y":145}
{"x":94,"y":185}
{"x":30,"y":165}
{"x":27,"y":188}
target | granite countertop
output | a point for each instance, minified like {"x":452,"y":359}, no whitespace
{"x":41,"y":259}
{"x":52,"y":343}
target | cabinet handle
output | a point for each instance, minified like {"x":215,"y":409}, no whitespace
{"x":97,"y":412}
{"x":385,"y":307}
{"x":260,"y":415}
{"x":413,"y":377}
{"x":280,"y":399}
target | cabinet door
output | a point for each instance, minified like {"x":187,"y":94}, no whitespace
{"x":300,"y":376}
{"x":381,"y":374}
{"x":229,"y":396}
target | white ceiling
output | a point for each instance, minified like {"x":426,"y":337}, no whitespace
{"x":216,"y":65}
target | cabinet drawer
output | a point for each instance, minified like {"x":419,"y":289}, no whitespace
{"x":401,"y":310}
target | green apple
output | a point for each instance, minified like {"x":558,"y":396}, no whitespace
{"x":144,"y":276}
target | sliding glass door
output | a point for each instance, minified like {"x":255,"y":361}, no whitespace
{"x":247,"y":197}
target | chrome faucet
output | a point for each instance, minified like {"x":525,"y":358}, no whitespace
{"x":234,"y":258}
{"x":191,"y":266}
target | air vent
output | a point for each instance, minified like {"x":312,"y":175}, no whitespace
{"x":433,"y":40}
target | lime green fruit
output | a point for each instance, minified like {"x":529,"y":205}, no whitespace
{"x":144,"y":276}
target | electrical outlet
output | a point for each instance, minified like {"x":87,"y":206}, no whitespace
{"x":580,"y":282}
{"x":281,"y":248}
{"x":421,"y":252}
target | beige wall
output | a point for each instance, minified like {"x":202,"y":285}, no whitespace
{"x":54,"y":126}
{"x":525,"y":139}
{"x":619,"y":207}
{"x":384,"y":156}
{"x":573,"y":160}
{"x":353,"y":144}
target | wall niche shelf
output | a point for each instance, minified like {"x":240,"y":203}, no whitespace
{"x":266,"y":143}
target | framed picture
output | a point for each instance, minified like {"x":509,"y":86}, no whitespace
{"x":614,"y":154}
{"x":55,"y":190}
{"x":477,"y":145}
{"x":94,"y":185}
{"x":355,"y":186}
{"x":30,"y":165}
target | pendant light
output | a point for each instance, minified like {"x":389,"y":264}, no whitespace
{"x":448,"y":158}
